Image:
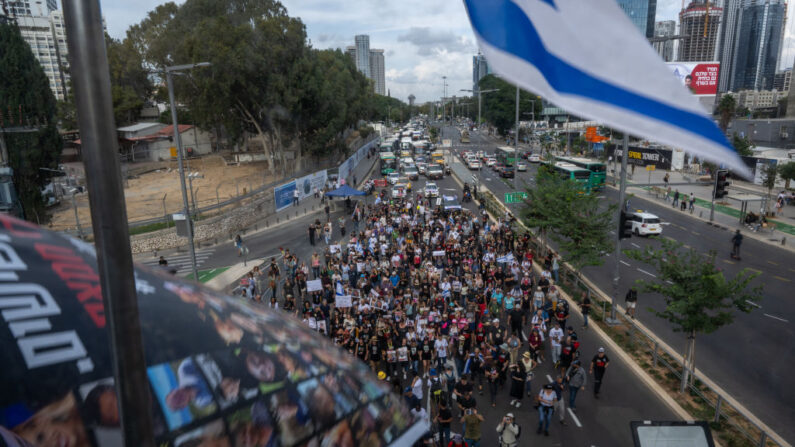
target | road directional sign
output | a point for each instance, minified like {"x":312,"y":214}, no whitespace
{"x":515,"y":197}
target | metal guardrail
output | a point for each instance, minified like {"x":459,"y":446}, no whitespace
{"x":722,"y":410}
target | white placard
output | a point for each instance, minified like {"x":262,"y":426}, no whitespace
{"x":334,"y":248}
{"x":314,"y":285}
{"x":343,"y":301}
{"x":438,"y":252}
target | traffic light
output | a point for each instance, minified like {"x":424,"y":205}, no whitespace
{"x":625,"y":225}
{"x":721,"y":183}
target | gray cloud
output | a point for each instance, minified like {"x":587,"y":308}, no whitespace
{"x":429,"y":42}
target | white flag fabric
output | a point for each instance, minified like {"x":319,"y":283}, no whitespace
{"x":587,"y":57}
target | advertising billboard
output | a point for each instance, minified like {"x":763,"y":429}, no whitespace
{"x":700,"y":77}
{"x":284,"y":195}
{"x":306,"y":185}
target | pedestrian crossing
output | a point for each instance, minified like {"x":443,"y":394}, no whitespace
{"x":182,"y":261}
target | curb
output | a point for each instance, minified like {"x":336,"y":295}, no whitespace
{"x":642,"y":374}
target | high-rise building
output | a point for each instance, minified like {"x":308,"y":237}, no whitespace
{"x":46,"y":36}
{"x":369,"y":61}
{"x":665,"y":48}
{"x":377,"y":71}
{"x":480,"y":68}
{"x":642,"y":13}
{"x":31,"y":8}
{"x":699,"y":22}
{"x":363,"y":54}
{"x":758,"y":36}
{"x":782,"y":80}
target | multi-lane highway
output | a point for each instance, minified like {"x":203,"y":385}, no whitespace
{"x":753,"y":357}
{"x":603,"y":422}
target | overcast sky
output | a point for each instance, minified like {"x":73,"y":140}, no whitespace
{"x":422,"y":40}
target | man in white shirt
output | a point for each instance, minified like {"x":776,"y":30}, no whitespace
{"x":555,"y":339}
{"x":440,"y":345}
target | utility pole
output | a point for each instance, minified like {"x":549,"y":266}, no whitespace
{"x":444,"y":95}
{"x":185,"y":208}
{"x":516,"y":141}
{"x":91,"y":83}
{"x":622,"y":191}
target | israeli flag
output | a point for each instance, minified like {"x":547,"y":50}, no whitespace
{"x":587,"y":57}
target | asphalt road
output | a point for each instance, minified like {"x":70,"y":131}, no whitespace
{"x":751,"y":358}
{"x":603,"y":422}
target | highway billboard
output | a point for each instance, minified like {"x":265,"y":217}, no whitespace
{"x":700,"y":77}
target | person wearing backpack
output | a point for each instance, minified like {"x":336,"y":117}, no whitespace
{"x":509,"y":431}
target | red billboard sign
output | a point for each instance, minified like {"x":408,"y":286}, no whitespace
{"x":700,"y":77}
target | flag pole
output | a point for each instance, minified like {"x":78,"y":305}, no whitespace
{"x":622,"y":191}
{"x":91,"y":80}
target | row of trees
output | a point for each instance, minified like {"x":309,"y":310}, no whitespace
{"x":699,"y":297}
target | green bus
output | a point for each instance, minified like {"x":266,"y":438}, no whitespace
{"x":388,"y":146}
{"x":597,"y":168}
{"x":506,"y":155}
{"x":572,"y":172}
{"x":388,"y":163}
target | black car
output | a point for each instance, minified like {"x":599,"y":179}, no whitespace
{"x":506,"y":171}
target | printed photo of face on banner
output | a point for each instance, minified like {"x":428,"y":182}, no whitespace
{"x":221,"y":371}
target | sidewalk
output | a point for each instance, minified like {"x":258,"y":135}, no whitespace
{"x":307,"y":206}
{"x":727,"y":210}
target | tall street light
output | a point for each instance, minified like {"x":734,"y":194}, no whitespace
{"x":516,"y":140}
{"x":170,"y":71}
{"x":480,"y":98}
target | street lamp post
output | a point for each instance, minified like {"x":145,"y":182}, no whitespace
{"x":516,"y":140}
{"x":480,"y":98}
{"x":170,"y":81}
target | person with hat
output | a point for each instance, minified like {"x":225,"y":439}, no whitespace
{"x":509,"y":431}
{"x":518,"y":377}
{"x":598,"y":367}
{"x":457,"y":441}
{"x":546,"y":406}
{"x":528,"y":366}
{"x":576,"y":378}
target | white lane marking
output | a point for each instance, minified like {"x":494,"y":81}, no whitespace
{"x":669,"y":282}
{"x":635,"y":245}
{"x":753,"y":304}
{"x":776,"y":318}
{"x":650,"y":274}
{"x":549,"y":378}
{"x":625,"y":263}
{"x":574,"y":417}
{"x":607,"y":254}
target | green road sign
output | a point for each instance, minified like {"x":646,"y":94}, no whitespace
{"x":515,"y":197}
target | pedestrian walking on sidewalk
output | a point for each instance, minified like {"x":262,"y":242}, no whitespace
{"x":665,"y":179}
{"x":295,"y":197}
{"x":239,"y":245}
{"x":585,"y":307}
{"x":676,"y":198}
{"x":598,"y":367}
{"x":631,"y":301}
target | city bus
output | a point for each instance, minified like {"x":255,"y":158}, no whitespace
{"x":571,"y":172}
{"x":506,"y":155}
{"x":388,"y":163}
{"x":389,"y":145}
{"x":597,"y":168}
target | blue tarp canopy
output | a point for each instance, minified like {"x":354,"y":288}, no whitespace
{"x":345,"y":191}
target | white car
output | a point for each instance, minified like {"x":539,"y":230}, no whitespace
{"x":521,"y":166}
{"x":491,"y":161}
{"x":431,"y":190}
{"x":392,"y":177}
{"x":473,"y":163}
{"x":534,"y":158}
{"x":398,"y":192}
{"x":645,"y":224}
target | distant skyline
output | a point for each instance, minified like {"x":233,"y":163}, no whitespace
{"x":422,"y":40}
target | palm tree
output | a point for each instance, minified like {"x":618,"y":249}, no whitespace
{"x":726,"y":109}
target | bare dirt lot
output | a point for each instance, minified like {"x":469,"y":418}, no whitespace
{"x":146,"y":194}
